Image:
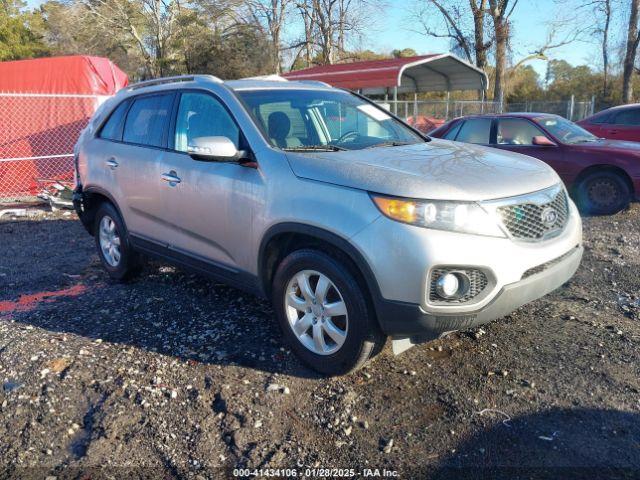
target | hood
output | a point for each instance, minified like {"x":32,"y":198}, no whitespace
{"x":436,"y":170}
{"x":605,"y":145}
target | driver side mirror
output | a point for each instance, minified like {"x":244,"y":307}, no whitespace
{"x":213,"y":149}
{"x":542,"y":141}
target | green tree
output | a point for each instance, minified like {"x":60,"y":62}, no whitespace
{"x":17,"y":40}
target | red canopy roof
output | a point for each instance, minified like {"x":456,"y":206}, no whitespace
{"x":411,"y":74}
{"x":79,"y":75}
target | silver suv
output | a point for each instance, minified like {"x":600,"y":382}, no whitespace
{"x":356,"y":226}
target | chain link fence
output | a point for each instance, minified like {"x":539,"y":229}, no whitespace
{"x":37,"y":135}
{"x":433,"y":113}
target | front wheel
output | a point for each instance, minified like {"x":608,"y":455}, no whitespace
{"x":603,"y":193}
{"x":323,"y":313}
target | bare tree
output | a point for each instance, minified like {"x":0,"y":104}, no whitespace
{"x":464,"y":25}
{"x":148,"y":25}
{"x":500,"y":12}
{"x":633,"y":39}
{"x":273,"y":14}
{"x":308,"y":14}
{"x":481,"y":46}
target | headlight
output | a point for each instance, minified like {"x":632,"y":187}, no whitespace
{"x":464,"y":217}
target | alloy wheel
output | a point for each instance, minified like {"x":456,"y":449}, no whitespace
{"x":109,"y":241}
{"x":316,"y":312}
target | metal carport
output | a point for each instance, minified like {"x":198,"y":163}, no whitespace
{"x":425,"y":73}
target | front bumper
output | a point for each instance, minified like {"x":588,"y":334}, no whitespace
{"x":405,"y":320}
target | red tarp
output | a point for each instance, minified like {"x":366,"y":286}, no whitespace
{"x":77,"y":75}
{"x":44,"y":105}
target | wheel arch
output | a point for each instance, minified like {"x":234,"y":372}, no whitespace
{"x":284,"y":238}
{"x":604,"y":168}
{"x":92,"y":198}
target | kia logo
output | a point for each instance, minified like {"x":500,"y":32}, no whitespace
{"x":549,"y":216}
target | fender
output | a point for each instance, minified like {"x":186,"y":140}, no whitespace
{"x":331,"y":238}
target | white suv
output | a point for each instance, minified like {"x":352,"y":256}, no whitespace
{"x":357,"y":226}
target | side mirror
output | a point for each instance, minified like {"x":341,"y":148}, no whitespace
{"x":542,"y":141}
{"x":213,"y":149}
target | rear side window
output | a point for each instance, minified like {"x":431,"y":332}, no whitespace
{"x":148,"y":119}
{"x":627,"y":117}
{"x":475,"y":130}
{"x":112,"y":129}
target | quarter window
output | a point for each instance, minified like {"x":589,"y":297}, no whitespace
{"x":475,"y":130}
{"x":112,"y":129}
{"x":147,"y":120}
{"x":516,"y":131}
{"x":201,"y":115}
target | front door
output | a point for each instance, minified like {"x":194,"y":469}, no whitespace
{"x":210,"y":204}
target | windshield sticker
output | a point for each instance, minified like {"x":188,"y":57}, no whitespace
{"x":373,"y":112}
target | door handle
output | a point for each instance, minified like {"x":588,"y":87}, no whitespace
{"x":112,"y":164}
{"x":171,"y":177}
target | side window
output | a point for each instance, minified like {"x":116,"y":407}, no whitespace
{"x":147,"y":120}
{"x":601,"y":119}
{"x":629,"y":116}
{"x":475,"y":130}
{"x":516,"y":131}
{"x":112,"y":129}
{"x":451,"y":134}
{"x":201,"y":115}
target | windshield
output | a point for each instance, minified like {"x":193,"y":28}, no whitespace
{"x":331,"y":120}
{"x":566,"y":131}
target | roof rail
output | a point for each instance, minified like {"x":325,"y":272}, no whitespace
{"x":272,"y":78}
{"x":176,"y":79}
{"x":312,"y":82}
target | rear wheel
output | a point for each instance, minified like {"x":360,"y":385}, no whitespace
{"x":603,"y":193}
{"x":323,"y":313}
{"x":114,"y":249}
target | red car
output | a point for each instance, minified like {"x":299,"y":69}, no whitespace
{"x":603,"y":176}
{"x":617,"y":123}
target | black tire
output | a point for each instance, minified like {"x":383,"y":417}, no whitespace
{"x":129,"y":263}
{"x":364,"y":338}
{"x":603,"y":193}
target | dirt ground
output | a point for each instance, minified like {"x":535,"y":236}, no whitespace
{"x":174,"y":376}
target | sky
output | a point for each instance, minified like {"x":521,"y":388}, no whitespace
{"x":530,"y":26}
{"x":396,"y":30}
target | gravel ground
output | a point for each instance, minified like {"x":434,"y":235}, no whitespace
{"x":175,"y":376}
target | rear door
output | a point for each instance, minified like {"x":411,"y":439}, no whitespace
{"x":211,"y":205}
{"x":516,"y":135}
{"x":137,"y":165}
{"x":623,"y":125}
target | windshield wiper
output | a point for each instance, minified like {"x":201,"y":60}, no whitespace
{"x":315,"y":148}
{"x":389,"y":144}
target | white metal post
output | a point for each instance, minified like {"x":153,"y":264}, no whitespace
{"x":571,"y":106}
{"x":395,"y":101}
{"x":415,"y":105}
{"x":446,"y":114}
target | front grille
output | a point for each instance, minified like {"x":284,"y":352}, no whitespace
{"x":549,"y":264}
{"x":477,"y":283}
{"x":531,"y":221}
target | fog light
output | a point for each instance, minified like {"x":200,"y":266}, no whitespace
{"x":452,"y":285}
{"x":447,"y":285}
